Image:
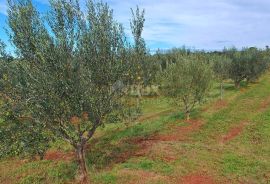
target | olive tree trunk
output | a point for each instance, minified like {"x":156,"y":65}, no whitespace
{"x":187,"y":114}
{"x":139,"y":95}
{"x":187,"y":110}
{"x":237,"y":84}
{"x":221,"y":89}
{"x":82,"y":170}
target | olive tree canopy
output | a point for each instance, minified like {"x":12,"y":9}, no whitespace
{"x":187,"y":81}
{"x":68,"y":63}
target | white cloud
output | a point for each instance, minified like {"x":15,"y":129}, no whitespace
{"x":3,"y":7}
{"x":207,"y":24}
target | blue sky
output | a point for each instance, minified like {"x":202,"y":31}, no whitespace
{"x":200,"y":24}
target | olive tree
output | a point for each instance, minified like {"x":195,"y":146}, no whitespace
{"x":69,"y":64}
{"x":22,"y":137}
{"x":3,"y":53}
{"x":221,"y":65}
{"x":247,"y":64}
{"x":137,"y":65}
{"x":257,"y":63}
{"x":18,"y":136}
{"x":3,"y":58}
{"x":187,"y":81}
{"x":238,"y":66}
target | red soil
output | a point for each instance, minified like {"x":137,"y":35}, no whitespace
{"x":59,"y":156}
{"x":155,"y":150}
{"x":233,"y":132}
{"x":178,"y":134}
{"x":164,"y":151}
{"x":218,"y":105}
{"x":145,"y":145}
{"x":197,"y":179}
{"x":181,"y":133}
{"x":264,"y":104}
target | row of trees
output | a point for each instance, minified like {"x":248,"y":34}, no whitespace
{"x":73,"y":71}
{"x":186,"y":76}
{"x":247,"y":64}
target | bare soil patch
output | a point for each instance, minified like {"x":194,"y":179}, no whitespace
{"x":144,"y":145}
{"x":181,"y":133}
{"x":264,"y":104}
{"x":233,"y":132}
{"x":197,"y":179}
{"x":220,"y":104}
{"x":177,"y":134}
{"x":164,"y":151}
{"x":59,"y":156}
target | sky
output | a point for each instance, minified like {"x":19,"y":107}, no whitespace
{"x":198,"y":24}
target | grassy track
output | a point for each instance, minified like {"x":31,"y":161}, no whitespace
{"x":227,"y":141}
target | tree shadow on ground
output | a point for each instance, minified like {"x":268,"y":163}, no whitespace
{"x":120,"y":145}
{"x":115,"y":148}
{"x":105,"y":153}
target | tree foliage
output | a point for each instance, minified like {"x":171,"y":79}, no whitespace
{"x":22,"y":137}
{"x":64,"y":81}
{"x":3,"y":53}
{"x":248,"y":64}
{"x":71,"y":67}
{"x":137,"y":65}
{"x":257,"y":63}
{"x":187,"y":81}
{"x":221,"y":67}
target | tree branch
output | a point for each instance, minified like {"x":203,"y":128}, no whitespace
{"x":92,"y":131}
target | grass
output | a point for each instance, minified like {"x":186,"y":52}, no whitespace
{"x":15,"y":171}
{"x":147,"y":164}
{"x":239,"y":165}
{"x":111,"y":160}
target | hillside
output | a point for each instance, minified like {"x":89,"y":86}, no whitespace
{"x":227,"y":141}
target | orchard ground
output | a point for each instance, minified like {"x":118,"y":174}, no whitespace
{"x":226,"y":141}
